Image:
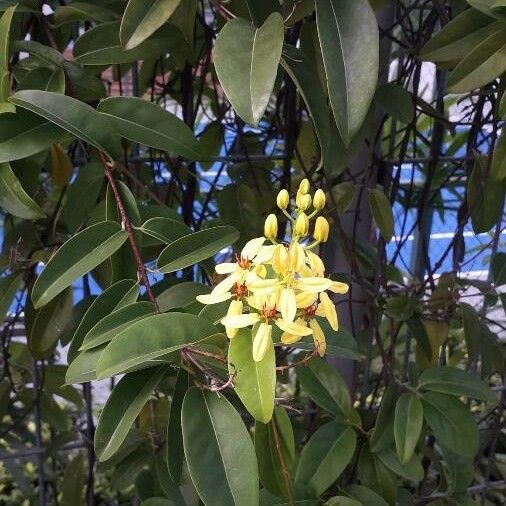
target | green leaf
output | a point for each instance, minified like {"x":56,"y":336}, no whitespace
{"x":164,"y":230}
{"x":490,"y":7}
{"x":193,"y":248}
{"x":381,"y":210}
{"x":342,"y":501}
{"x":458,"y":38}
{"x":458,"y":382}
{"x":147,"y":123}
{"x":246,"y":61}
{"x":24,"y":134}
{"x":152,"y":338}
{"x":326,"y":455}
{"x":142,"y":18}
{"x":5,"y":89}
{"x":397,"y":102}
{"x":483,"y":64}
{"x":365,"y":495}
{"x":472,"y":329}
{"x":72,"y":115}
{"x":14,"y":199}
{"x":119,"y":294}
{"x":107,"y":328}
{"x":84,"y":367}
{"x":101,"y":45}
{"x":175,"y":450}
{"x":419,"y":332}
{"x":349,"y":41}
{"x":121,"y":409}
{"x":451,"y":422}
{"x":499,"y":268}
{"x":272,"y":444}
{"x":254,"y":382}
{"x":82,"y":11}
{"x":9,"y":285}
{"x":45,"y":79}
{"x":181,"y":295}
{"x":411,"y":470}
{"x":383,"y":434}
{"x":375,"y":475}
{"x":219,"y":452}
{"x":78,"y":256}
{"x":408,"y":425}
{"x":73,"y":482}
{"x":325,"y":387}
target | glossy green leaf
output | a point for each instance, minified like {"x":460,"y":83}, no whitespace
{"x":254,"y":382}
{"x":5,"y":89}
{"x":78,"y":256}
{"x":142,"y":18}
{"x":9,"y":285}
{"x":152,"y":338}
{"x":458,"y":37}
{"x":483,"y":64}
{"x":181,"y":295}
{"x":119,"y":294}
{"x":408,"y":425}
{"x":411,"y":470}
{"x":72,"y":115}
{"x":219,"y":451}
{"x":490,"y":7}
{"x":82,"y":11}
{"x":366,"y":496}
{"x":374,"y":474}
{"x":472,"y":329}
{"x":110,"y":326}
{"x":349,"y":41}
{"x":14,"y":199}
{"x":326,"y":455}
{"x":73,"y":482}
{"x":396,"y":101}
{"x":175,"y":450}
{"x":121,"y":409}
{"x":499,"y":268}
{"x":45,"y":79}
{"x":147,"y":123}
{"x":24,"y":134}
{"x":246,"y":61}
{"x":342,"y":500}
{"x":453,"y":381}
{"x":164,"y":230}
{"x":194,"y":248}
{"x":383,"y":434}
{"x":381,"y":210}
{"x":451,"y":422}
{"x":325,"y":387}
{"x":101,"y":46}
{"x":271,"y":445}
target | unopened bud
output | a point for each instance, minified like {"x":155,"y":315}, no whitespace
{"x":301,"y":226}
{"x":321,"y":229}
{"x":271,"y":227}
{"x":304,"y":186}
{"x":296,"y":257}
{"x":279,"y":259}
{"x":283,"y":199}
{"x":319,"y":200}
{"x":303,"y":201}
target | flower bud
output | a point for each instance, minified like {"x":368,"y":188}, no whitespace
{"x":283,"y":199}
{"x":303,"y":201}
{"x":301,"y":225}
{"x":304,"y":186}
{"x":280,"y":259}
{"x":319,"y":200}
{"x":271,"y":227}
{"x":295,"y":257}
{"x":321,"y":229}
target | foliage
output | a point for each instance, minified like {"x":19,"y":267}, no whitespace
{"x":188,"y":189}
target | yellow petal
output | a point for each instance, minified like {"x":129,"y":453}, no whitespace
{"x":287,"y":338}
{"x":234,"y":309}
{"x":287,"y":305}
{"x":295,"y":328}
{"x":227,"y":284}
{"x":264,"y":285}
{"x":329,"y":310}
{"x":314,"y":284}
{"x":251,"y":248}
{"x":226,"y":268}
{"x":260,"y":270}
{"x":319,"y":337}
{"x":338,"y":287}
{"x":262,"y":341}
{"x":264,"y":254}
{"x":214,"y":298}
{"x":316,"y":263}
{"x":280,"y":259}
{"x":240,"y":321}
{"x":296,"y":257}
{"x":305,"y":299}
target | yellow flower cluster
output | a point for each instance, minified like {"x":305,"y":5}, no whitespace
{"x":280,"y":283}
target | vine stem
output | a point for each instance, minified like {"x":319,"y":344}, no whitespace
{"x":127,"y":225}
{"x":284,"y":469}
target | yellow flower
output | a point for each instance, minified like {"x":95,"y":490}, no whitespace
{"x":287,"y":304}
{"x":301,"y":226}
{"x":271,"y":227}
{"x":283,"y":199}
{"x":319,"y":200}
{"x":303,"y":201}
{"x":315,"y":264}
{"x":313,"y":284}
{"x":318,"y":337}
{"x":304,"y":186}
{"x":321,"y":229}
{"x":327,"y":309}
{"x":234,"y":309}
{"x":279,"y":259}
{"x":262,"y":341}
